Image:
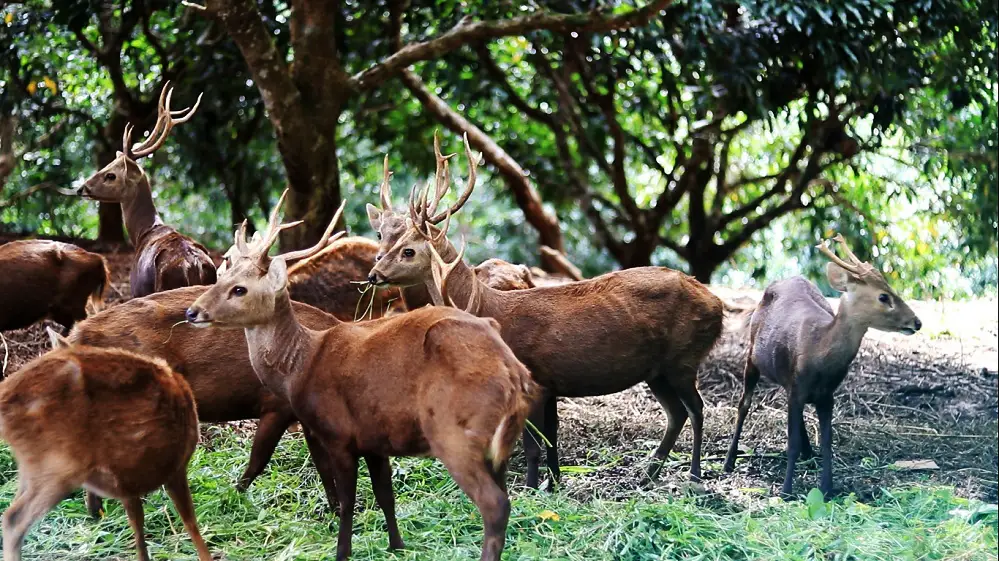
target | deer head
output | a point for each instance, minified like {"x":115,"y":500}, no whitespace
{"x":252,"y":282}
{"x":405,"y":257}
{"x":117,"y":181}
{"x":869,"y":300}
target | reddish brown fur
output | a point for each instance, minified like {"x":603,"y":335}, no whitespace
{"x":215,"y":363}
{"x":593,"y":337}
{"x":329,"y":281}
{"x":47,"y":279}
{"x":166,"y":259}
{"x":108,"y":420}
{"x":433,"y":381}
{"x":503,"y":275}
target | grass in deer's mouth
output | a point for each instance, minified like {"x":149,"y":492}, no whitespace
{"x":284,"y":516}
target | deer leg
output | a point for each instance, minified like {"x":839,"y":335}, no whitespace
{"x":824,"y":410}
{"x":136,"y":519}
{"x":532,"y":442}
{"x":38,"y":497}
{"x":321,"y":459}
{"x":180,"y":494}
{"x":551,"y":447}
{"x":806,"y":445}
{"x":94,"y":503}
{"x":794,"y":411}
{"x":750,"y":377}
{"x":381,"y":482}
{"x":472,"y":474}
{"x":270,"y":428}
{"x":345,"y":470}
{"x":676,"y":417}
{"x":685,"y":387}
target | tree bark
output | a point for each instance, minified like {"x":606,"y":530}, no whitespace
{"x":111,"y":224}
{"x":702,"y":268}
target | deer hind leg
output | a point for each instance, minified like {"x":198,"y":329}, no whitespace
{"x":36,"y":496}
{"x":676,"y":418}
{"x":136,"y":519}
{"x":94,"y":503}
{"x":806,"y":444}
{"x":381,"y":483}
{"x":469,"y":469}
{"x":550,"y":430}
{"x":795,"y":410}
{"x":685,"y":386}
{"x":180,"y":493}
{"x":750,"y":377}
{"x":270,"y":428}
{"x":533,"y":442}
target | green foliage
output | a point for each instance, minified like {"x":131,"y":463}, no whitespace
{"x":284,"y":517}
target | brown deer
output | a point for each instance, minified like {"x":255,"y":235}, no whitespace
{"x":593,"y":337}
{"x":48,"y":279}
{"x":215,"y":363}
{"x":432,"y":381}
{"x":797,"y":341}
{"x":111,"y":421}
{"x":503,"y":275}
{"x":164,"y":258}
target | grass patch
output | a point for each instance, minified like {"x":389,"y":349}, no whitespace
{"x":284,"y":517}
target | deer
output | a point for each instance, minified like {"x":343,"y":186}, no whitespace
{"x":108,"y":420}
{"x":503,"y":275}
{"x":586,"y":338}
{"x":164,"y":258}
{"x":433,"y":381}
{"x":797,"y":341}
{"x":49,"y":279}
{"x":216,"y":365}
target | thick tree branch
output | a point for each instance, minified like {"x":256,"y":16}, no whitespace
{"x":467,"y":31}
{"x":497,"y":75}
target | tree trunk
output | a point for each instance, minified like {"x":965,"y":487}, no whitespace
{"x":314,"y":192}
{"x":702,"y":269}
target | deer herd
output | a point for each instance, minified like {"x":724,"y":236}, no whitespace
{"x":452,"y":364}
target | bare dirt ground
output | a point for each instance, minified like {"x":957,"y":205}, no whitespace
{"x":931,"y":396}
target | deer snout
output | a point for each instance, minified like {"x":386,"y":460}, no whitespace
{"x":917,"y":324}
{"x":373,"y":278}
{"x":197,"y":316}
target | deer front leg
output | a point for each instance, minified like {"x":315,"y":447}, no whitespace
{"x":345,"y":471}
{"x":551,"y":447}
{"x":824,"y":411}
{"x":794,"y":411}
{"x":532,"y":443}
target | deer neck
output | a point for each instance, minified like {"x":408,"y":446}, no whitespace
{"x":461,"y":284}
{"x":139,"y":212}
{"x":280,"y":349}
{"x":842,"y":337}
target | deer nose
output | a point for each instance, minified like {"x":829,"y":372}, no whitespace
{"x":373,"y":278}
{"x":191,"y":314}
{"x":918,"y":324}
{"x":378,"y":257}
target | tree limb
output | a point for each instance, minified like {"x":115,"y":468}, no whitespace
{"x":467,"y":31}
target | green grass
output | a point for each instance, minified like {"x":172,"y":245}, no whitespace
{"x":284,"y":517}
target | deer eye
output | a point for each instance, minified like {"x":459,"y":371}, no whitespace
{"x":109,"y":176}
{"x":884,"y":298}
{"x":408,"y":252}
{"x":238,"y":291}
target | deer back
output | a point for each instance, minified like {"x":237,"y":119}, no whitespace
{"x":166,"y":259}
{"x":101,"y":407}
{"x":329,"y":281}
{"x":216,"y":363}
{"x":48,"y":279}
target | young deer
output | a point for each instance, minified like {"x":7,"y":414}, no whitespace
{"x":593,"y":337}
{"x":433,"y":381}
{"x":164,"y":258}
{"x":108,"y":420}
{"x":215,"y":364}
{"x":798,"y":342}
{"x":46,"y":279}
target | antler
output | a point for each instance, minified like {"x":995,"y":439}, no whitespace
{"x":846,"y":249}
{"x":441,"y":271}
{"x":165,"y":121}
{"x":852,"y":268}
{"x":423,"y":212}
{"x":385,"y":192}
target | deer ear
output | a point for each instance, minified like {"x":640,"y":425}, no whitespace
{"x":57,"y":341}
{"x":838,"y":277}
{"x":118,"y":154}
{"x":277,"y":274}
{"x":525,"y":272}
{"x":374,"y":216}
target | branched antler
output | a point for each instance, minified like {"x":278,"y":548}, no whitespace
{"x":423,"y":208}
{"x":855,"y":266}
{"x":165,"y":121}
